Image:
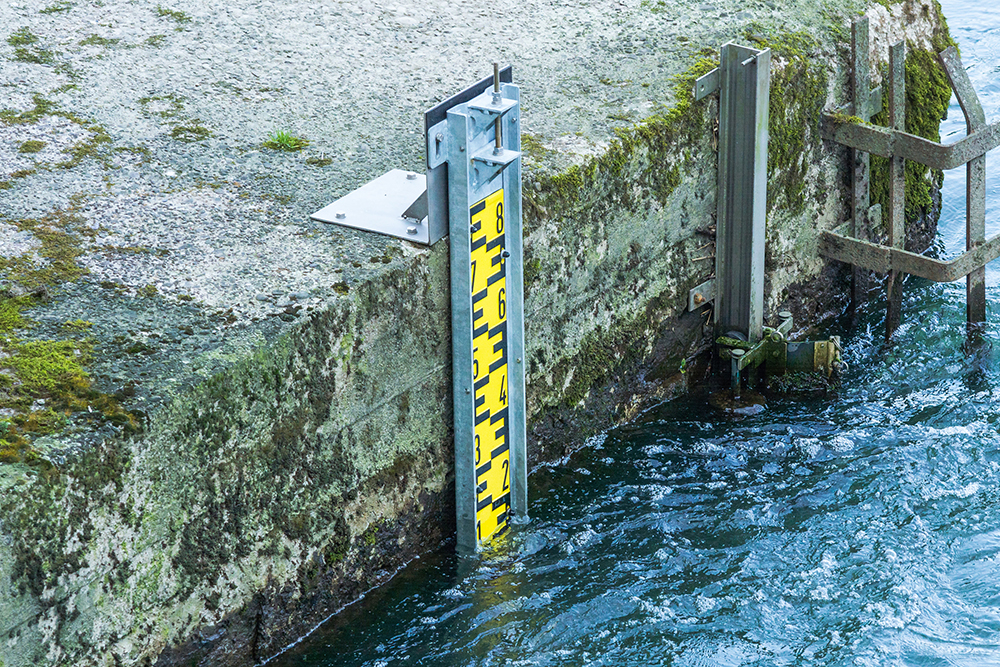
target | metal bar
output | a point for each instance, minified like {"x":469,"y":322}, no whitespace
{"x":742,"y":190}
{"x":883,"y":258}
{"x":860,"y":202}
{"x":515,"y":314}
{"x":975,"y":183}
{"x":897,"y":183}
{"x":886,"y":142}
{"x":702,"y":294}
{"x":459,"y":188}
{"x":707,"y":84}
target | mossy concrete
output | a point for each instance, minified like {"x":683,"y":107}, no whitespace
{"x":248,"y":422}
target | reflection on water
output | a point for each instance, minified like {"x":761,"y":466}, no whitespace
{"x":859,"y":531}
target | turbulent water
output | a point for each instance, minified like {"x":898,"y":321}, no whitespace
{"x":859,"y":531}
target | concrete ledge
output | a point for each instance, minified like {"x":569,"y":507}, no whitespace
{"x":261,"y":427}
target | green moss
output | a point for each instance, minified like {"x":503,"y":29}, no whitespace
{"x":193,"y":131}
{"x":319,"y":161}
{"x":147,"y":291}
{"x":340,"y":288}
{"x":97,"y":40}
{"x":31,"y":146}
{"x":176,"y":105}
{"x":173,"y":14}
{"x":43,"y":366}
{"x":34,"y":56}
{"x":533,"y":147}
{"x":10,"y":313}
{"x":22,"y":37}
{"x":155,"y":40}
{"x":60,"y":6}
{"x":59,"y":251}
{"x":927,"y":96}
{"x":77,"y":325}
{"x":43,"y":107}
{"x":796,"y":100}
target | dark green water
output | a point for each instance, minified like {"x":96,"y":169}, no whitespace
{"x":859,"y":531}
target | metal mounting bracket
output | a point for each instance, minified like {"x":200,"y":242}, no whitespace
{"x":778,"y":356}
{"x":395,"y":204}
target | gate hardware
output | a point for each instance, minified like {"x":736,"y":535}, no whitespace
{"x":778,"y":356}
{"x":897,"y":145}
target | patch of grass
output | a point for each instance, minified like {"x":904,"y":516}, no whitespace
{"x":155,"y":40}
{"x":60,"y":6}
{"x":285,"y":141}
{"x":147,"y":291}
{"x":31,"y":146}
{"x":97,"y":40}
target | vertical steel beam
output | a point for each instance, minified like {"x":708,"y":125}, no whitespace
{"x":742,"y":191}
{"x":515,"y":318}
{"x":860,"y":202}
{"x":975,"y":193}
{"x":463,"y":402}
{"x":897,"y":183}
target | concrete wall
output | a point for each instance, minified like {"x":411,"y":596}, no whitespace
{"x":306,"y":460}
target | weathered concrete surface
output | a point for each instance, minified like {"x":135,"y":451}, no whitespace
{"x":266,"y":434}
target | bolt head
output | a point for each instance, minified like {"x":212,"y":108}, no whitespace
{"x":410,"y":176}
{"x":339,"y":215}
{"x":699,"y":299}
{"x":411,"y":230}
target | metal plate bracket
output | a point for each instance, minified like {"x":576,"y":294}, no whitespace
{"x":392,"y":204}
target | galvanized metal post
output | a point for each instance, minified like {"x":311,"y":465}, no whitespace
{"x":975,"y":193}
{"x":745,"y":76}
{"x":897,"y":184}
{"x":484,"y":214}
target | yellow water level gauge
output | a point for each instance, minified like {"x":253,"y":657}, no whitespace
{"x":479,"y":141}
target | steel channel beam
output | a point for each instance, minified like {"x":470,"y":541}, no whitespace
{"x":975,"y":196}
{"x":897,"y":184}
{"x":742,"y":190}
{"x":515,"y":313}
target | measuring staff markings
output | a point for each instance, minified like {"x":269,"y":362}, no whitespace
{"x":489,"y":364}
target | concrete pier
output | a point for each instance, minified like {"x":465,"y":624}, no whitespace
{"x":223,"y":421}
